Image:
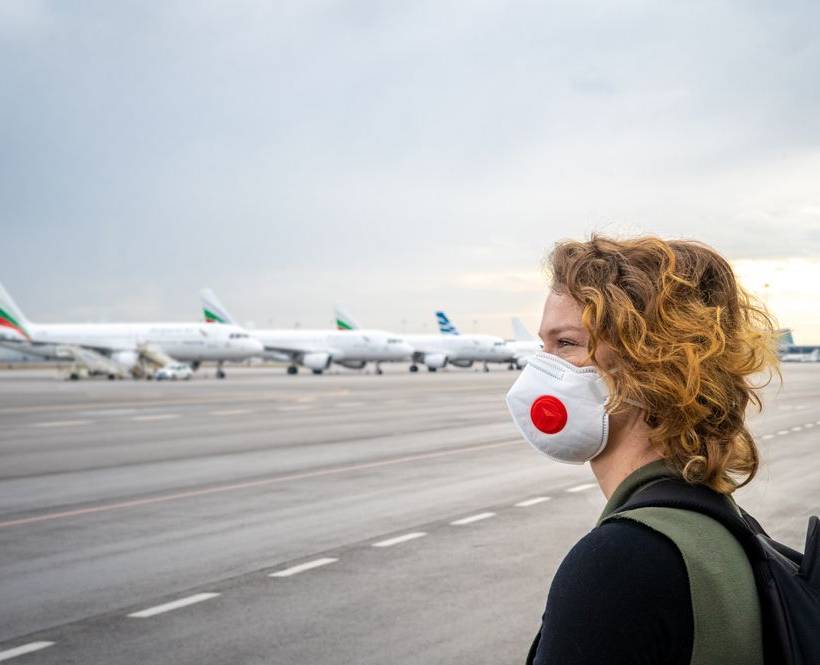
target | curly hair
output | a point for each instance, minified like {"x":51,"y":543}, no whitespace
{"x":687,"y":339}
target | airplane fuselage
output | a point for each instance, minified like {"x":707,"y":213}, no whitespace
{"x":187,"y":342}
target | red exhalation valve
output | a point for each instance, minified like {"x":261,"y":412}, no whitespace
{"x":548,"y":414}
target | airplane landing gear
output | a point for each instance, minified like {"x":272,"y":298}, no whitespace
{"x":379,"y":369}
{"x":293,"y":369}
{"x":486,"y":367}
{"x":414,"y":367}
{"x":432,"y":369}
{"x":317,"y":371}
{"x":220,"y":373}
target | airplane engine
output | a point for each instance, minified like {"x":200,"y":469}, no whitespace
{"x":435,"y":360}
{"x":462,"y":363}
{"x":316,"y":361}
{"x":352,"y":364}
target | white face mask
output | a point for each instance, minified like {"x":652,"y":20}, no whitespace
{"x":559,"y":408}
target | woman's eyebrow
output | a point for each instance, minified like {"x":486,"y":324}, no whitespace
{"x":562,"y":329}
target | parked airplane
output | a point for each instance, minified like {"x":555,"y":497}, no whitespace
{"x":119,"y":349}
{"x":317,"y":349}
{"x":486,"y":348}
{"x":437,"y":351}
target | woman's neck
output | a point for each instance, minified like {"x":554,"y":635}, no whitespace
{"x":628,"y":449}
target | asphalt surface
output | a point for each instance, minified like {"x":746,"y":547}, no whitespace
{"x":336,"y":519}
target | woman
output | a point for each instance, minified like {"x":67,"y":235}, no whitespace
{"x":649,"y":351}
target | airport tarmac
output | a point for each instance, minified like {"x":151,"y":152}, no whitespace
{"x":347,"y":518}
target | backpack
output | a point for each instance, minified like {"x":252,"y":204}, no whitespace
{"x":788,"y":583}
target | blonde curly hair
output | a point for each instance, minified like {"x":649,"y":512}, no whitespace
{"x":687,"y":339}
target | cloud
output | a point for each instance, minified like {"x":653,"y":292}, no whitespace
{"x":290,"y":155}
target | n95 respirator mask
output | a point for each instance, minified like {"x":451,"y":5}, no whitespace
{"x":559,"y":408}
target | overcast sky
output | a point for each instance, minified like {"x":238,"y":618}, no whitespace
{"x":396,"y":157}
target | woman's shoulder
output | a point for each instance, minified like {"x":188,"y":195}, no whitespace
{"x":620,"y":542}
{"x":632,"y":583}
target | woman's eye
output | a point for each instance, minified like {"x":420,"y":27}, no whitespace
{"x":565,"y":342}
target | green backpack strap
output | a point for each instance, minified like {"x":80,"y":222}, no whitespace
{"x":725,"y":605}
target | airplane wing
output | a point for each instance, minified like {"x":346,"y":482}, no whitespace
{"x":95,"y":362}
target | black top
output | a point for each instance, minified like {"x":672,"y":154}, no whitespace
{"x":620,"y":597}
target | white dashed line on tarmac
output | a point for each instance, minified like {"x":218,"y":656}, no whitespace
{"x":295,"y":407}
{"x":808,"y":425}
{"x":783,"y":431}
{"x":159,"y":416}
{"x":400,"y":539}
{"x":472,"y":518}
{"x":532,"y":502}
{"x":797,"y":428}
{"x":174,"y":605}
{"x":287,"y":572}
{"x":767,"y":436}
{"x":23,"y":649}
{"x":62,"y":423}
{"x":581,"y":488}
{"x":231,"y":412}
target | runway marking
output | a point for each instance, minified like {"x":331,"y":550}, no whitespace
{"x":582,"y":488}
{"x":159,"y":416}
{"x":532,"y":502}
{"x":173,"y":605}
{"x":471,"y":519}
{"x":399,"y":539}
{"x":767,"y":436}
{"x":251,"y":483}
{"x":107,"y":412}
{"x":293,"y":570}
{"x":231,"y":412}
{"x":295,"y":407}
{"x":808,"y":425}
{"x":62,"y":423}
{"x":797,"y":428}
{"x":783,"y":431}
{"x":23,"y":649}
{"x":350,"y":405}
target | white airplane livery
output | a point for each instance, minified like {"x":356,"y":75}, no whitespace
{"x":318,"y":349}
{"x":437,"y":351}
{"x":120,"y":349}
{"x":470,"y":348}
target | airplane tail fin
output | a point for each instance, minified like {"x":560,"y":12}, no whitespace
{"x":213,"y":309}
{"x":520,"y":332}
{"x":343,"y":319}
{"x":11,"y":316}
{"x":445,"y":325}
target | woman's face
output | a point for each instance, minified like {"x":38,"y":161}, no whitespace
{"x":563,"y":333}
